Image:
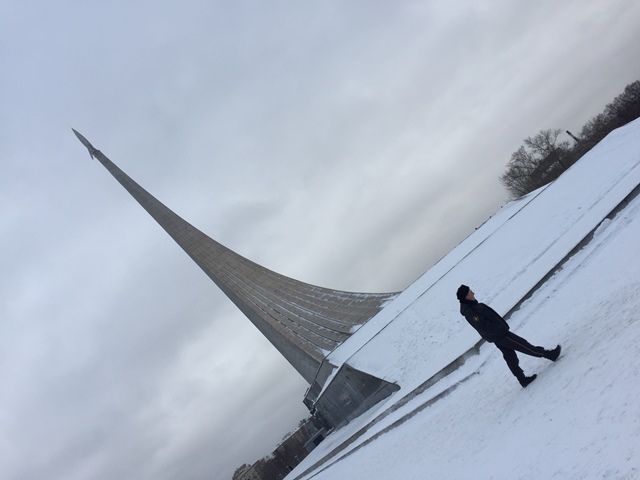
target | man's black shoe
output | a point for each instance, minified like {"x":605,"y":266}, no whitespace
{"x":524,"y":381}
{"x":554,"y":354}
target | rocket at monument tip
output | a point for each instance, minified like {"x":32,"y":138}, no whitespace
{"x":86,"y":143}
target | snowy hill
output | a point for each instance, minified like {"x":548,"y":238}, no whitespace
{"x":581,"y":418}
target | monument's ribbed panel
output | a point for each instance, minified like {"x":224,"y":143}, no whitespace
{"x":302,"y":321}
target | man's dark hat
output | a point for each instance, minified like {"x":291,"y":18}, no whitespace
{"x":462,"y":292}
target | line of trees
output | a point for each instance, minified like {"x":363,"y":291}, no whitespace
{"x":542,"y":158}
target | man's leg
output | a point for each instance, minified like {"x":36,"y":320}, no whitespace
{"x":512,"y":361}
{"x":519,"y":344}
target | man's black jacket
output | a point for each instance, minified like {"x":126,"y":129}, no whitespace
{"x":485,"y":320}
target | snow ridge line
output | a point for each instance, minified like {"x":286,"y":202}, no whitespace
{"x":432,"y":381}
{"x":395,"y":424}
{"x":584,"y":242}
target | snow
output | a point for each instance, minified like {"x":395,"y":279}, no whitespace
{"x":581,"y":417}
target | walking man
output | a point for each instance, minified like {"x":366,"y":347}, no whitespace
{"x":493,"y":328}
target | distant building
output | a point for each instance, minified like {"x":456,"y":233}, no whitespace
{"x":287,"y":455}
{"x":240,"y":473}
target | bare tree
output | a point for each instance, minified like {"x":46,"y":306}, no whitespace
{"x":542,"y":158}
{"x":626,"y":106}
{"x":622,"y":110}
{"x":595,"y":129}
{"x":545,"y":145}
{"x":539,"y":161}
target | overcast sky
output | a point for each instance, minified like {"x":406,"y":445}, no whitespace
{"x":344,"y":144}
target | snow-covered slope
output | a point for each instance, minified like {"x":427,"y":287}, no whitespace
{"x":502,"y":261}
{"x":581,"y":418}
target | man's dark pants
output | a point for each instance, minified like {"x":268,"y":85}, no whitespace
{"x":512,"y":343}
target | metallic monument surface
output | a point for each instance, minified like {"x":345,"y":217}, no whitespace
{"x":304,"y":322}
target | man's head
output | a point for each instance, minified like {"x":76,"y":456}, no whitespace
{"x":465,"y":293}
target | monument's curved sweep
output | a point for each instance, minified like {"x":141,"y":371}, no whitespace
{"x":304,"y":322}
{"x":406,"y":348}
